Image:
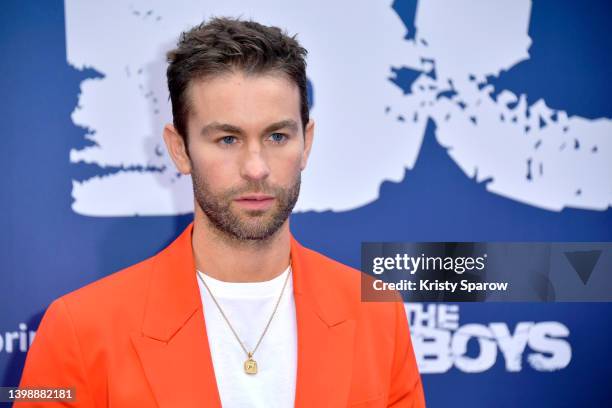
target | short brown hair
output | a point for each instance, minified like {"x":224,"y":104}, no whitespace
{"x":223,"y":45}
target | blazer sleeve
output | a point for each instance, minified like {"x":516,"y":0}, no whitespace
{"x":406,"y":390}
{"x":55,"y":360}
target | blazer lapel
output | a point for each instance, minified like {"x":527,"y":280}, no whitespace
{"x":173,"y":345}
{"x":325,"y":335}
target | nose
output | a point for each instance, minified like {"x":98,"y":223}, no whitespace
{"x":255,"y":166}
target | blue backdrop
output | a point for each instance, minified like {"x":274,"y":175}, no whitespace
{"x":48,"y":250}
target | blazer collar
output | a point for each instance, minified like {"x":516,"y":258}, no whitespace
{"x":314,"y":281}
{"x":174,"y":295}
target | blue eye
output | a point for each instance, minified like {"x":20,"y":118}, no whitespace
{"x":228,"y":140}
{"x":278,"y":137}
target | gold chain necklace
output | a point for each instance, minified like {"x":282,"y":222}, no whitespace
{"x":250,"y":365}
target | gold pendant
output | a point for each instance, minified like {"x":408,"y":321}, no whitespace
{"x":250,"y":365}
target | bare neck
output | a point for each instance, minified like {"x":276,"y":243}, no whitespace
{"x":237,"y":261}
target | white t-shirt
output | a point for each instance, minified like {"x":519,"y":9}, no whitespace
{"x":248,"y":307}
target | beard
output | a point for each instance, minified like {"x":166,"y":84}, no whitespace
{"x":246,"y":225}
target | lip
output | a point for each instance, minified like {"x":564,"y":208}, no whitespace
{"x":255,"y":201}
{"x":255,"y":196}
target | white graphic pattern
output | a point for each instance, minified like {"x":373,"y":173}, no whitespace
{"x":359,"y":141}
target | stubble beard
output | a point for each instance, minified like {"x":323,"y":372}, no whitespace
{"x":246,"y":225}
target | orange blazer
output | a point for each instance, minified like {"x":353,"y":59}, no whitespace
{"x":137,"y":338}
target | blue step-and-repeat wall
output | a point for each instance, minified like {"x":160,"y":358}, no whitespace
{"x":437,"y":120}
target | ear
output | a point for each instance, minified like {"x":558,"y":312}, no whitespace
{"x":177,"y":149}
{"x":308,"y":138}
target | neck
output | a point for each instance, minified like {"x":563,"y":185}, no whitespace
{"x":232,"y":260}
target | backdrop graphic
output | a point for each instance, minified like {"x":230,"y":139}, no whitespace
{"x":436,"y":121}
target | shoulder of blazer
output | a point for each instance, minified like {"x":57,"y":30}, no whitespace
{"x":113,"y":301}
{"x":127,"y":290}
{"x":337,"y":289}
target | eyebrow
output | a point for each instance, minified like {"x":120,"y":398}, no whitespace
{"x":228,"y":128}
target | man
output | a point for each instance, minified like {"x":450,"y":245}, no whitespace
{"x":235,"y":312}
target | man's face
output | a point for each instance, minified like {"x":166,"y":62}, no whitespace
{"x":247,"y":149}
